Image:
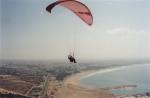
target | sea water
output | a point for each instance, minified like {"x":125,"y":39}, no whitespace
{"x":138,"y":74}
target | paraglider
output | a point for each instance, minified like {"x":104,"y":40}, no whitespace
{"x":79,"y":9}
{"x":71,"y":58}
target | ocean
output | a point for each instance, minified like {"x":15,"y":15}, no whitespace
{"x":137,"y":74}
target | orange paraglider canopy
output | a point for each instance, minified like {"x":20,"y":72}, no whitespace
{"x":76,"y":7}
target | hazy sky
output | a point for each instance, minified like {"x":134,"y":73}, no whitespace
{"x":121,"y":30}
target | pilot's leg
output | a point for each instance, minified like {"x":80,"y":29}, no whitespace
{"x":74,"y":61}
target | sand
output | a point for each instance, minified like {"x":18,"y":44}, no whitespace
{"x":75,"y":78}
{"x":71,"y":88}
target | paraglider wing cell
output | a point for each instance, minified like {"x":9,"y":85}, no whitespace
{"x":76,"y":7}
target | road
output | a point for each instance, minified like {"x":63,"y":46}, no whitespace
{"x":27,"y":93}
{"x":45,"y":87}
{"x":42,"y":93}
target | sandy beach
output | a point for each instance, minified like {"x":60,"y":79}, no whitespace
{"x":75,"y":78}
{"x":73,"y":89}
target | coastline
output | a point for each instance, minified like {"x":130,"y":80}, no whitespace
{"x":75,"y":78}
{"x":72,"y":88}
{"x":73,"y":82}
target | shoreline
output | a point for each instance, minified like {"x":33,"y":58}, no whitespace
{"x":75,"y":78}
{"x":74,"y":81}
{"x":72,"y":86}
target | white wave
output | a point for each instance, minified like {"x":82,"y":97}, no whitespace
{"x":103,"y":71}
